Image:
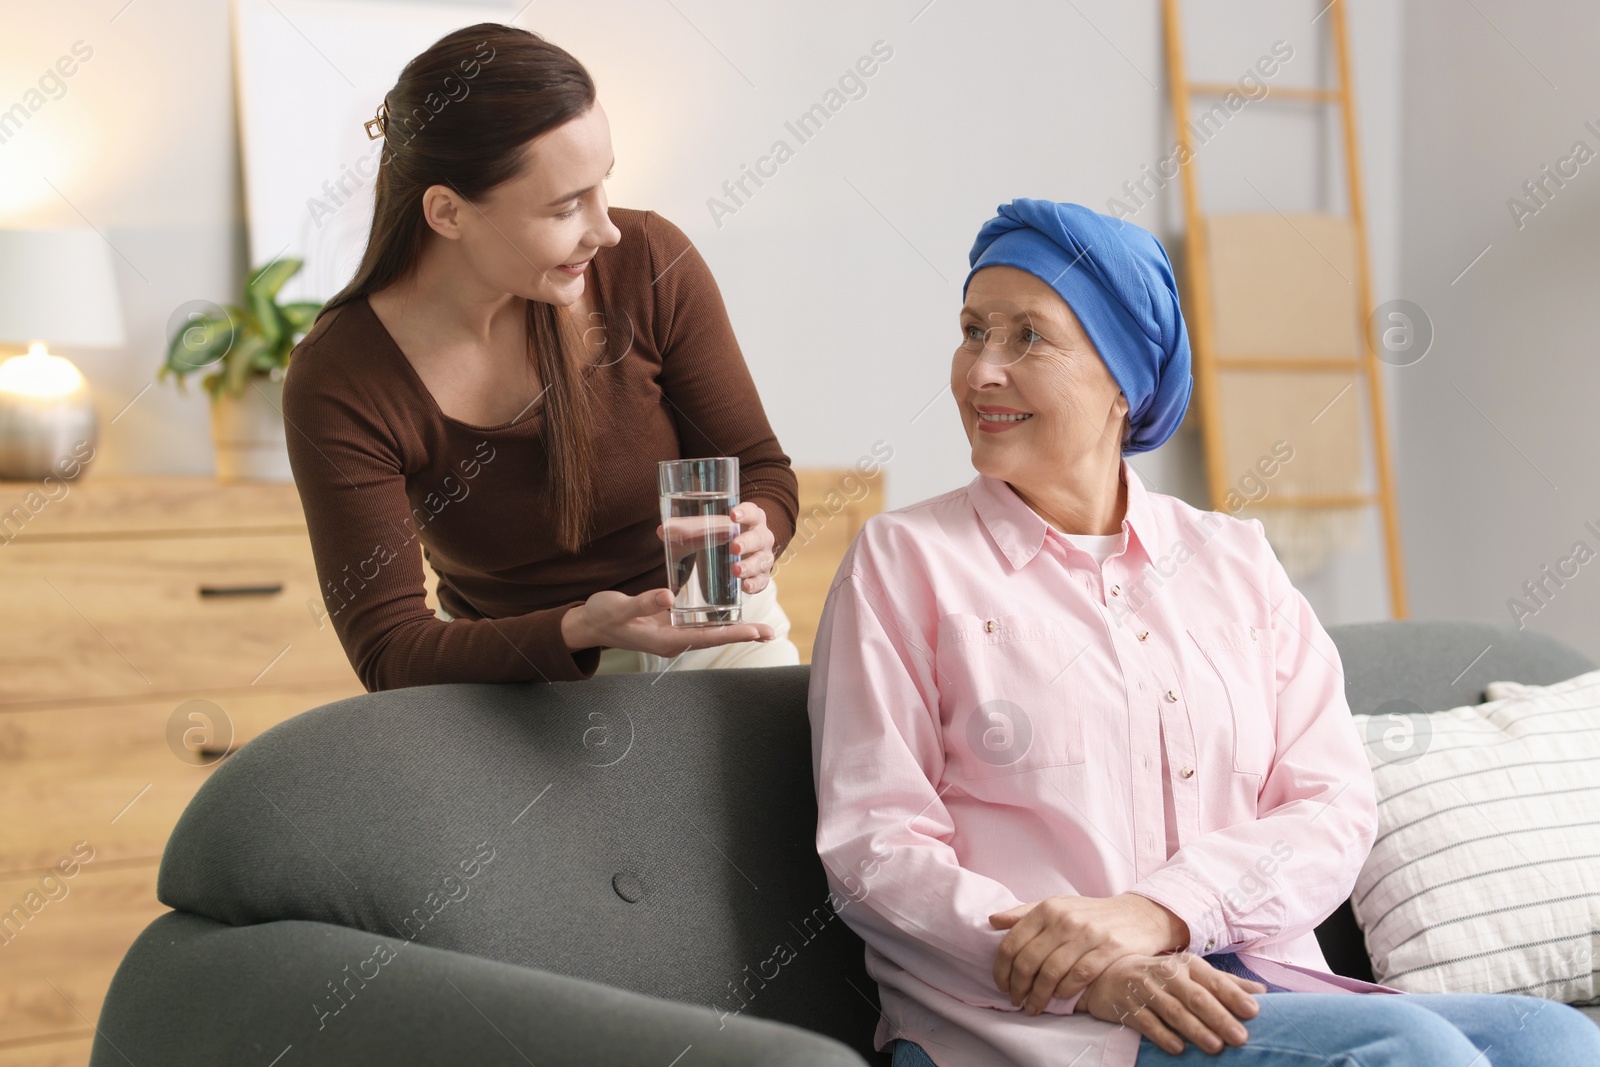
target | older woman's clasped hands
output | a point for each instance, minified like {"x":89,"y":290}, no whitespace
{"x":1116,"y":953}
{"x":1058,"y":945}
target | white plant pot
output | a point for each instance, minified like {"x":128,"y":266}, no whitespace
{"x":248,"y":433}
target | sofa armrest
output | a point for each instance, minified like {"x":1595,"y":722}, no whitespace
{"x":192,"y":991}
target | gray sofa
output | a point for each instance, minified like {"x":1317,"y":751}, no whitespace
{"x":619,"y":871}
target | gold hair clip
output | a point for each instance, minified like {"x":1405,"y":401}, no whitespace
{"x":381,"y":121}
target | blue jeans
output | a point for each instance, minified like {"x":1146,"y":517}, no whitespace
{"x":1386,"y":1030}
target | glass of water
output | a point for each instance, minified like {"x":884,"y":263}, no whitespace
{"x":697,"y":524}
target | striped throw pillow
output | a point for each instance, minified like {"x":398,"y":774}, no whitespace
{"x":1485,"y":875}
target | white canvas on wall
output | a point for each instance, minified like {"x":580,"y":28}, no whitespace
{"x":310,"y":74}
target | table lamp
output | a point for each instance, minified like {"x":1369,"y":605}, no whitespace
{"x":56,"y":287}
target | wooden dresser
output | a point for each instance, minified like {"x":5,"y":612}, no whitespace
{"x":155,"y":625}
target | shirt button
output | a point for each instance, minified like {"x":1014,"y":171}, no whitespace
{"x":1143,"y":634}
{"x":1252,"y":633}
{"x":991,"y":626}
{"x":1187,"y":772}
{"x":1115,"y":589}
{"x":1171,"y":696}
{"x":1211,"y":943}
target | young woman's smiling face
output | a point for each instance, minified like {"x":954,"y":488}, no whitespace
{"x":534,"y":234}
{"x":1035,"y":397}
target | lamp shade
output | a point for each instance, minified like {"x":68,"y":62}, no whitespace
{"x":58,"y":286}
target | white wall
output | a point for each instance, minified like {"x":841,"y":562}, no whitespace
{"x":1500,"y":452}
{"x":842,"y":273}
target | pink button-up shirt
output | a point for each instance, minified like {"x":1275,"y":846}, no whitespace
{"x":997,"y":718}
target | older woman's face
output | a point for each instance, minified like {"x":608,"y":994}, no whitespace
{"x":1035,"y":396}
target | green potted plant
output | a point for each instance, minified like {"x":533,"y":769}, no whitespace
{"x":243,"y":352}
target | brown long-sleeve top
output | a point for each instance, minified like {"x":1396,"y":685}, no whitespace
{"x":379,"y":468}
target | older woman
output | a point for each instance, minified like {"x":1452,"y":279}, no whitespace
{"x":1085,"y":770}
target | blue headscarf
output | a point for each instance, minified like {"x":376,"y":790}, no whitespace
{"x":1118,"y":281}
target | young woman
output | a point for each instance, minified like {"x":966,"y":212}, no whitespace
{"x":498,"y":382}
{"x":1061,"y":726}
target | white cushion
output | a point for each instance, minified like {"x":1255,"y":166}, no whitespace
{"x":1485,"y":876}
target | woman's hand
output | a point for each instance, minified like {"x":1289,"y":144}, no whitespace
{"x":1172,"y":998}
{"x":1059,"y":945}
{"x":754,"y":547}
{"x":643,"y":623}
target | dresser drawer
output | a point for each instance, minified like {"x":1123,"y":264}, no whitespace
{"x":117,"y":506}
{"x":118,"y":776}
{"x":96,"y":618}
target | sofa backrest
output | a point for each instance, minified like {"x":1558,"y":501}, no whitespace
{"x":652,"y":833}
{"x":1437,"y":665}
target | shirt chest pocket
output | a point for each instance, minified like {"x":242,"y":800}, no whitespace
{"x":1009,"y":699}
{"x":1237,"y":673}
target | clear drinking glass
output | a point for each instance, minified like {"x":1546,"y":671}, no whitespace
{"x":697,"y":501}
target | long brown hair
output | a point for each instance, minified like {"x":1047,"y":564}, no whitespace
{"x":461,"y":115}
